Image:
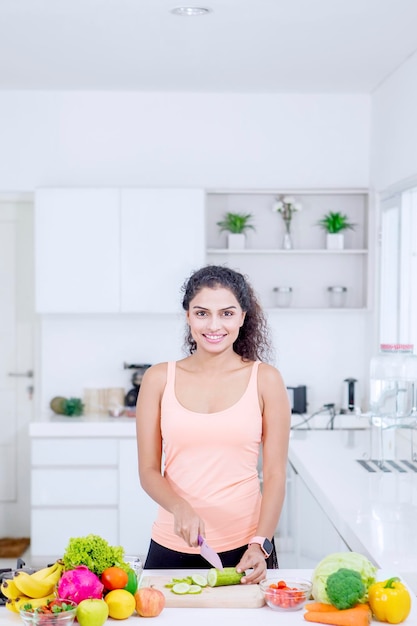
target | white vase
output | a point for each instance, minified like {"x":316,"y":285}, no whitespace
{"x":335,"y":241}
{"x":236,"y":241}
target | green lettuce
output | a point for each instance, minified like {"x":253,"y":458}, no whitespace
{"x":335,"y":561}
{"x":95,"y":553}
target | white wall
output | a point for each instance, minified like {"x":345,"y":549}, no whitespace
{"x":88,"y":351}
{"x":318,"y":349}
{"x":207,"y":140}
{"x":394,"y":128}
{"x":189,"y":140}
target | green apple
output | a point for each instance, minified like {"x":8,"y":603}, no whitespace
{"x":92,"y":612}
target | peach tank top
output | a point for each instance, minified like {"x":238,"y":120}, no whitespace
{"x":211,"y":461}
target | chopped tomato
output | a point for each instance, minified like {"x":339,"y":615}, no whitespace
{"x":283,"y":596}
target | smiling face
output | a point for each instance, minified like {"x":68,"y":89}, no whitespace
{"x":215,"y":318}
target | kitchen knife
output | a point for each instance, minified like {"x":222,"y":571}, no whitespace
{"x":209,"y":554}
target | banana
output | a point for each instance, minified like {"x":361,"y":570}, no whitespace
{"x":11,"y":605}
{"x":34,"y":588}
{"x":9,"y":589}
{"x":40,"y":574}
{"x":54,"y":577}
{"x":34,"y":602}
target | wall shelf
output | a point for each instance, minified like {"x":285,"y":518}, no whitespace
{"x":309,"y":268}
{"x":295,"y":251}
{"x":331,"y":310}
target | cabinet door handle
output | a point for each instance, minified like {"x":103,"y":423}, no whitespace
{"x":28,"y":374}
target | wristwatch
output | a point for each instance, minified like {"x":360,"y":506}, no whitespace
{"x":266,"y":545}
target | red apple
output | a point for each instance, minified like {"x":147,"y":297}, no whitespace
{"x":149,"y":601}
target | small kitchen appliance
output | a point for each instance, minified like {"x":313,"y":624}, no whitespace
{"x":132,"y":394}
{"x":298,"y":399}
{"x":349,"y":400}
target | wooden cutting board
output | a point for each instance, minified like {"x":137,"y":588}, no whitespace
{"x":230,"y":596}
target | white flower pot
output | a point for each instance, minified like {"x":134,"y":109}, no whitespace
{"x":335,"y":241}
{"x":236,"y":241}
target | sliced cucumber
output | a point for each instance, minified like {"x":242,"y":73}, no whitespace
{"x":181,"y":588}
{"x":186,"y":579}
{"x":199,"y":579}
{"x":226,"y":576}
{"x":195,"y":589}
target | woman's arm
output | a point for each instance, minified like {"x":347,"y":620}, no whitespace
{"x":187,"y":523}
{"x":276,"y":420}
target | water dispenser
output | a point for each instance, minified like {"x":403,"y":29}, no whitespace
{"x":393,"y":396}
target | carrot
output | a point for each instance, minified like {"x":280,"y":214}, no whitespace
{"x":319,"y":607}
{"x":346,"y":617}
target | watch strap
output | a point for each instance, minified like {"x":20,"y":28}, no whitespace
{"x":264,"y":543}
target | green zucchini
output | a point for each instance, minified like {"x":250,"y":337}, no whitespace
{"x":225,"y":576}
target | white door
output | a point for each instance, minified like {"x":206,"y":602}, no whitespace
{"x":16,"y":363}
{"x":8,"y":425}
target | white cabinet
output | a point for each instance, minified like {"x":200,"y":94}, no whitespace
{"x":77,"y":260}
{"x":81,"y":486}
{"x":74,"y":492}
{"x":309,"y":268}
{"x":162,"y":242}
{"x":116,"y":250}
{"x":305,"y":534}
{"x":137,"y":511}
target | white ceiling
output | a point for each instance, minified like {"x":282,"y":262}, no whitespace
{"x":241,"y":46}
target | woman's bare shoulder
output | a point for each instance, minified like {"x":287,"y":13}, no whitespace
{"x":156,"y":374}
{"x":268,"y":373}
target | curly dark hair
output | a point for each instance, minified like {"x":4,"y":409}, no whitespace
{"x":253,"y":342}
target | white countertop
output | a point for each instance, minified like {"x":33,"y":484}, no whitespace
{"x":208,"y":617}
{"x":102,"y":425}
{"x":84,"y":426}
{"x":375,"y":513}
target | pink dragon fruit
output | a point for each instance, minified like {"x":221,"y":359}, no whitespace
{"x":80,"y":584}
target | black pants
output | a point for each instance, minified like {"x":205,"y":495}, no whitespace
{"x":160,"y":557}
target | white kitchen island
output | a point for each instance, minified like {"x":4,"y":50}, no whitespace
{"x":210,"y":616}
{"x":372,"y":513}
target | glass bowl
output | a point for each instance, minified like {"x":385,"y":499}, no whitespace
{"x":286,"y":595}
{"x":65,"y":618}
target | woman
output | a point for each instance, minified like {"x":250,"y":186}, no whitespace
{"x":208,"y":413}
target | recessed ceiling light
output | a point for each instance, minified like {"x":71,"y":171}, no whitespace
{"x":190,"y":11}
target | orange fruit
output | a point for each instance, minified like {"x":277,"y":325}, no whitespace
{"x":114,"y":578}
{"x":121,"y":603}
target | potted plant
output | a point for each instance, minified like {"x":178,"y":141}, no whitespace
{"x":236,"y":224}
{"x":335,"y":223}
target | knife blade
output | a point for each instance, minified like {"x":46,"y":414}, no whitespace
{"x":209,"y":554}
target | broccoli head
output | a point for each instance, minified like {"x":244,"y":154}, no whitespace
{"x":345,"y":588}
